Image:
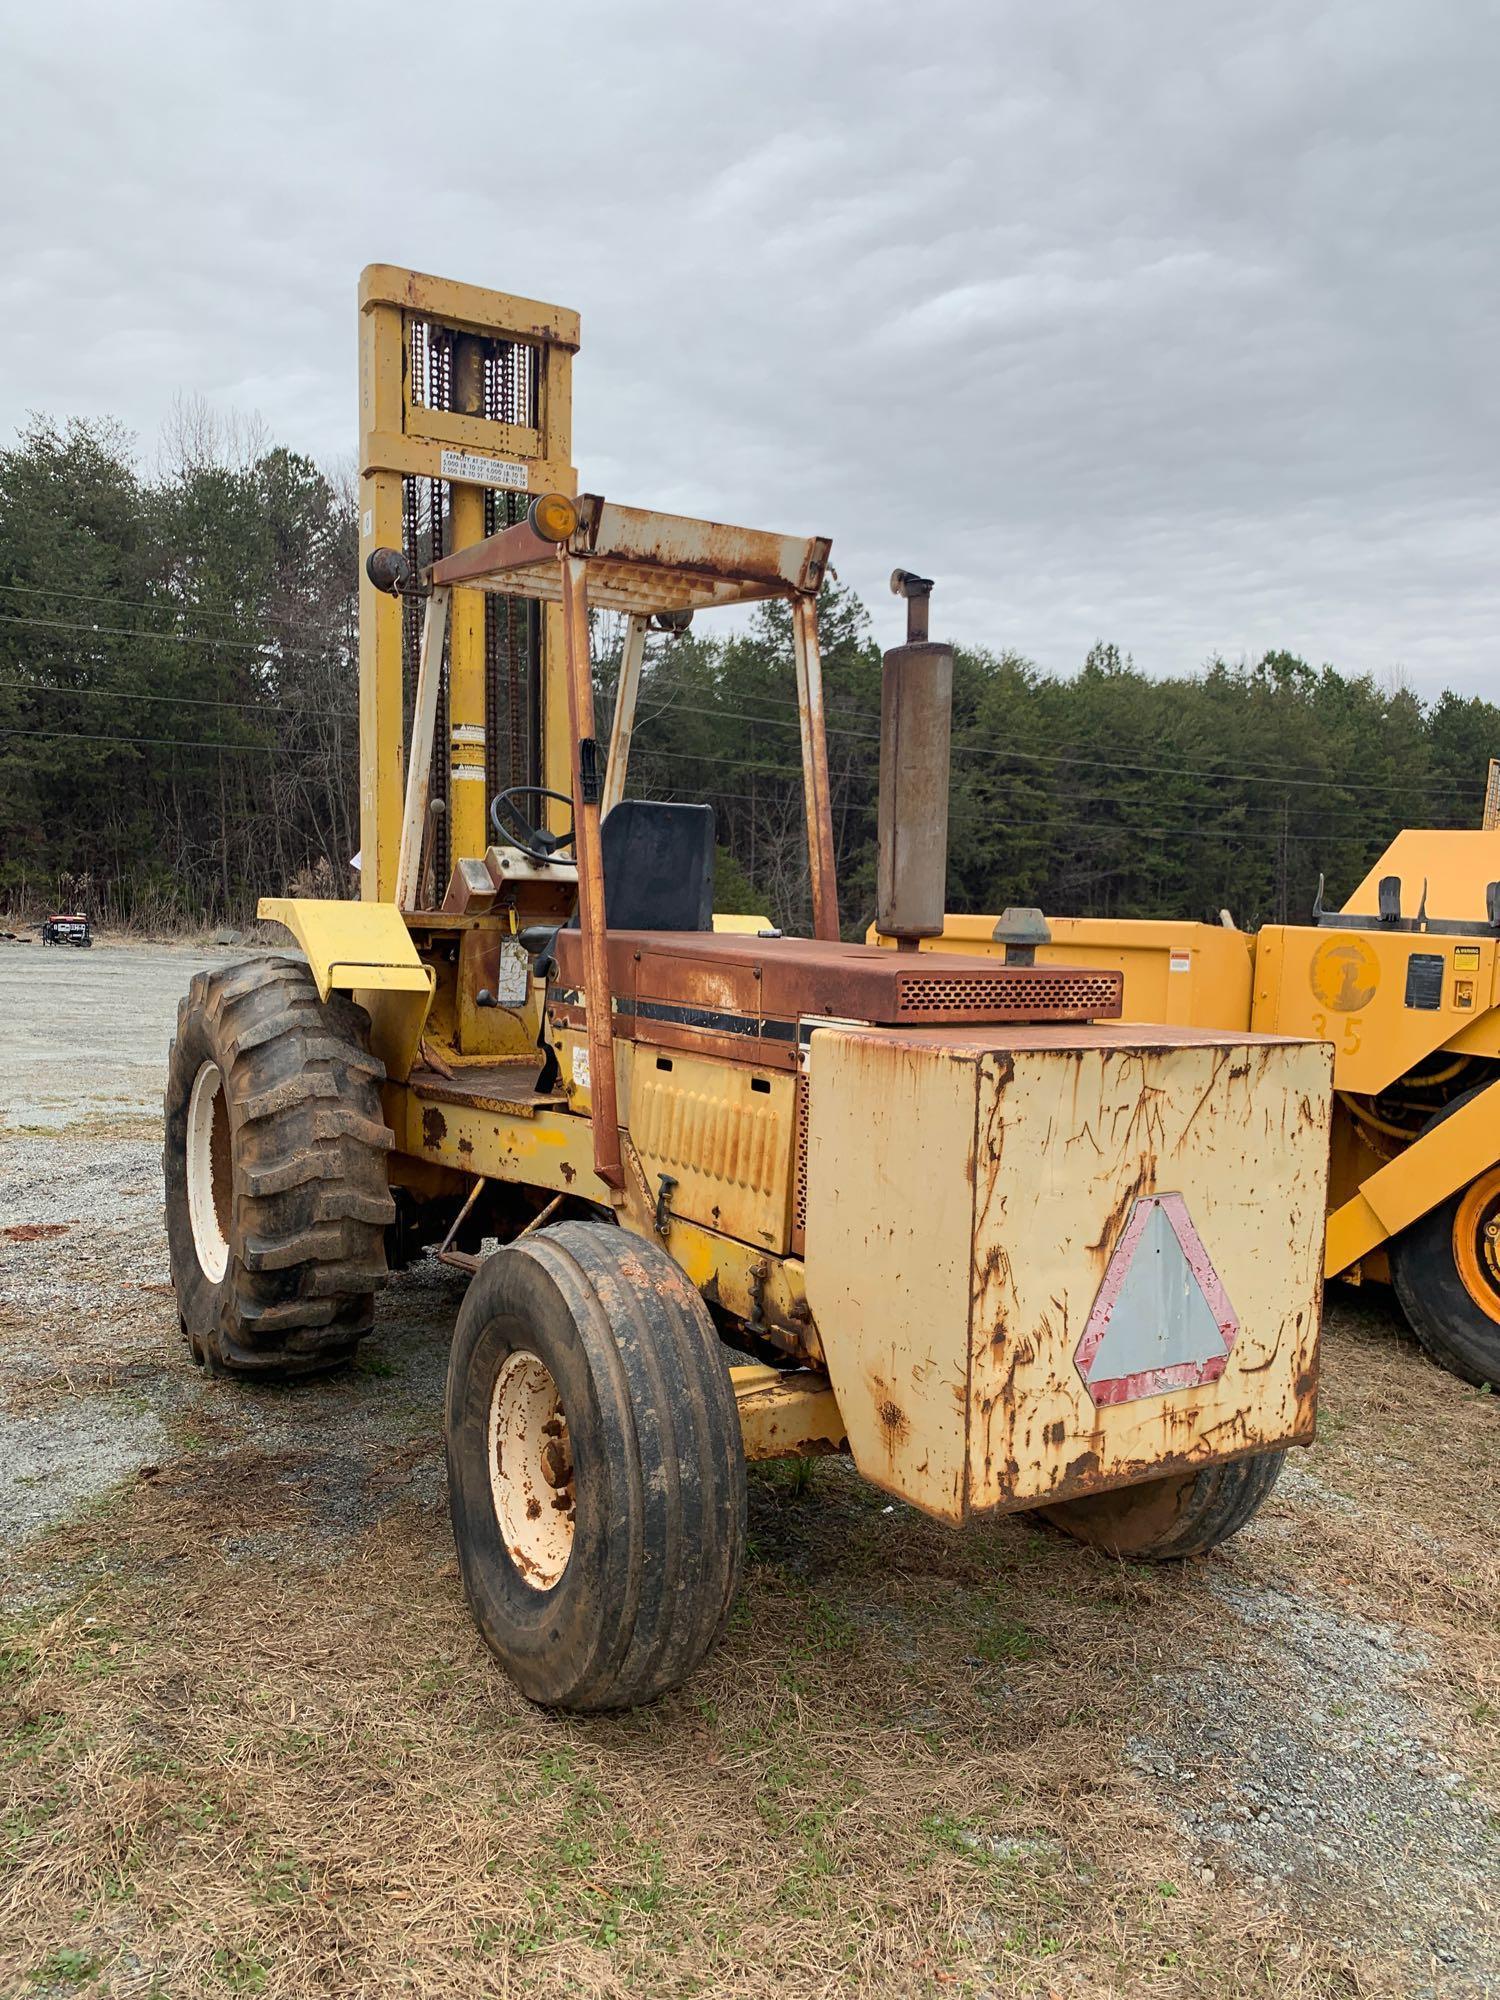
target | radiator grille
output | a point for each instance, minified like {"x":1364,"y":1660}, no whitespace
{"x":1085,"y":996}
{"x":703,"y":1132}
{"x":799,"y":1171}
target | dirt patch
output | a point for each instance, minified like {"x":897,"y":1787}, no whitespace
{"x":34,"y":1232}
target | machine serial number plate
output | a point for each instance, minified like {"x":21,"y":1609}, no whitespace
{"x":1424,"y":980}
{"x":482,"y":471}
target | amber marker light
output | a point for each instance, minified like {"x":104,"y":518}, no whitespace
{"x":553,"y":517}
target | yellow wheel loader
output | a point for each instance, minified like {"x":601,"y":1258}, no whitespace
{"x":720,"y":1195}
{"x":1403,"y":984}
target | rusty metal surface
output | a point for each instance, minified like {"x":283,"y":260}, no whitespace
{"x":471,"y":890}
{"x":722,"y":1134}
{"x":497,"y":1005}
{"x":707,"y":549}
{"x":916,"y":712}
{"x":1030,"y":993}
{"x":822,"y":856}
{"x":952,"y":1321}
{"x":472,"y":305}
{"x":484,"y":1131}
{"x":786,"y":1413}
{"x":589,"y":854}
{"x":979,"y":1040}
{"x":504,"y":1087}
{"x":741,"y":995}
{"x":642,"y":561}
{"x":497,"y":563}
{"x":797,"y":1235}
{"x":466,"y":1261}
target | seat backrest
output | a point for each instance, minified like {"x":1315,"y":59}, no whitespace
{"x":658,"y":866}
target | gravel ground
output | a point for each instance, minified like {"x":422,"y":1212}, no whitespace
{"x":82,"y":1246}
{"x":85,"y":1033}
{"x":1308,"y":1764}
{"x":1323,"y":1763}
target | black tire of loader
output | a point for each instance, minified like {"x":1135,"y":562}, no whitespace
{"x":1167,"y":1520}
{"x":309,"y":1202}
{"x":659,"y":1467}
{"x":1458,"y":1334}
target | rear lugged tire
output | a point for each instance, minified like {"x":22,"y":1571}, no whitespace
{"x":1165,"y":1520}
{"x":1445,"y":1271}
{"x":275,"y":1171}
{"x":596,"y":1472}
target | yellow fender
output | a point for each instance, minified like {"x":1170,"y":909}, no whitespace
{"x":364,"y":949}
{"x":1430,"y":1169}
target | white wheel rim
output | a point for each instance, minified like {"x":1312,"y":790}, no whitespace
{"x":531,"y":1469}
{"x":208,"y":1172}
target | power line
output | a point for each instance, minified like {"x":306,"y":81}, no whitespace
{"x":1242,"y":775}
{"x":163,"y":638}
{"x":1236,"y":776}
{"x":1000,"y":821}
{"x":1335,"y":810}
{"x":1246,"y":775}
{"x":188,"y":701}
{"x":1085,"y":833}
{"x":1058,"y":827}
{"x":1332,"y":811}
{"x":139,"y":603}
{"x":1056,"y":824}
{"x":162,"y":743}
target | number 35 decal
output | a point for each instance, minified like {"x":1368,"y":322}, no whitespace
{"x":1352,"y":1037}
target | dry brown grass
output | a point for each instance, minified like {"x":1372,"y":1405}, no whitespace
{"x":238,"y":1756}
{"x":268,"y":1776}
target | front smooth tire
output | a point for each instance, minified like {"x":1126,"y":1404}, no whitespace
{"x":595,"y":1467}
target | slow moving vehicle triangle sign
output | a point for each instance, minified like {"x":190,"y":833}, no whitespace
{"x":1162,"y":1319}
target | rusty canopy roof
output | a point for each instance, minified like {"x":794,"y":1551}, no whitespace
{"x":642,"y":561}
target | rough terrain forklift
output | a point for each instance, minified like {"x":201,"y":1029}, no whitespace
{"x":1403,"y":983}
{"x":720,"y":1196}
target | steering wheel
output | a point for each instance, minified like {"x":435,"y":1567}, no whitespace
{"x":516,"y":830}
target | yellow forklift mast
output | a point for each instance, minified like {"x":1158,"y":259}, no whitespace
{"x":465,"y":412}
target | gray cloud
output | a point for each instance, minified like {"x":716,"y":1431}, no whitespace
{"x":1164,"y":323}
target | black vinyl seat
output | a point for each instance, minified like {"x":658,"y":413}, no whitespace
{"x":658,"y":876}
{"x":658,"y":866}
{"x":658,"y":873}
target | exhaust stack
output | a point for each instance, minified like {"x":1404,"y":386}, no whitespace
{"x":916,"y":723}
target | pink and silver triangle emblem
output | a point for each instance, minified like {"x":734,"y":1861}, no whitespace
{"x":1162,"y":1319}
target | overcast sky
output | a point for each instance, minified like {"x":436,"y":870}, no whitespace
{"x":1172,"y":324}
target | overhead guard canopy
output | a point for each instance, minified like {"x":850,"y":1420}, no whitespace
{"x":641,"y":561}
